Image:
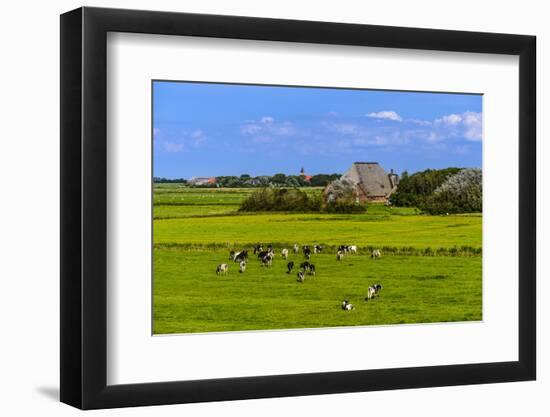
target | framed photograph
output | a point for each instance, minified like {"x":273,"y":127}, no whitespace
{"x":257,"y":208}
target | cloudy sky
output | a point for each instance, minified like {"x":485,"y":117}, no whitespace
{"x":221,"y":129}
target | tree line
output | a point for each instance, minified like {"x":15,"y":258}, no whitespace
{"x":248,"y":181}
{"x":441,"y":191}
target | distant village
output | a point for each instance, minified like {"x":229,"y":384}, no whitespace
{"x":373,"y":183}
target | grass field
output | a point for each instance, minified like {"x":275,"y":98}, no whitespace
{"x":194,"y":229}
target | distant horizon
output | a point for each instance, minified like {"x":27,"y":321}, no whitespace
{"x":306,"y":172}
{"x":213,"y":130}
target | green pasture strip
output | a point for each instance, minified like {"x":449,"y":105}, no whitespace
{"x":366,"y":230}
{"x":206,"y":196}
{"x":198,"y":198}
{"x":190,"y":297}
{"x":193,"y":210}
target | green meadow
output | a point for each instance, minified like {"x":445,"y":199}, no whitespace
{"x":430,"y":268}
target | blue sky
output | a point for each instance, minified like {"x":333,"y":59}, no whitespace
{"x":221,"y":129}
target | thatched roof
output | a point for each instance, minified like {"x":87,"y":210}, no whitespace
{"x":372,"y":178}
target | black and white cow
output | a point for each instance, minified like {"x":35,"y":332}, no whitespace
{"x":232,"y":255}
{"x":267,"y":260}
{"x":305,"y":266}
{"x":347,"y":306}
{"x":301,"y":276}
{"x":373,"y":291}
{"x":240,"y":256}
{"x":222,"y":269}
{"x":262,"y":254}
{"x":258,"y":248}
{"x":284,"y":253}
{"x":307,"y":252}
{"x":339,"y":255}
{"x":296,"y":248}
{"x":376,"y":254}
{"x":289,"y":267}
{"x":318,"y":248}
{"x":242,"y":266}
{"x":311,"y":270}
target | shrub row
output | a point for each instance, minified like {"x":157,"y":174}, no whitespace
{"x":295,"y":200}
{"x":330,"y":249}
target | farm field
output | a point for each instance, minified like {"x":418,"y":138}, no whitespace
{"x":439,"y":279}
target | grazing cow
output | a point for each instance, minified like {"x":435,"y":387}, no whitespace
{"x":222,"y":269}
{"x":289,"y":267}
{"x":242,"y":266}
{"x":284,"y":253}
{"x":307,"y":252}
{"x":318,"y":248}
{"x":232,"y":255}
{"x":352,"y":249}
{"x":296,"y":248}
{"x":241,"y":256}
{"x":262,"y":254}
{"x":311,"y":270}
{"x":305,"y":266}
{"x":267,"y":260}
{"x":370,"y":293}
{"x":339,"y":255}
{"x":376,"y":254}
{"x":258,"y":248}
{"x":347,"y":306}
{"x":301,"y":276}
{"x":373,"y":291}
{"x":343,"y":248}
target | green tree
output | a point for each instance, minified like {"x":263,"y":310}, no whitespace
{"x":413,"y":190}
{"x":460,"y":193}
{"x":278,"y":179}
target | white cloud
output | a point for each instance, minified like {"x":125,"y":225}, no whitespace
{"x":250,"y":128}
{"x":267,"y":127}
{"x":328,"y":135}
{"x":196,"y":134}
{"x":386,"y":114}
{"x":262,"y":139}
{"x":197,"y":137}
{"x":345,"y":128}
{"x":462,"y":150}
{"x":463,"y":126}
{"x":467,"y":125}
{"x":433,"y":137}
{"x":173,"y":147}
{"x":181,"y":140}
{"x":420,"y":122}
{"x":451,"y":119}
{"x":473,"y":122}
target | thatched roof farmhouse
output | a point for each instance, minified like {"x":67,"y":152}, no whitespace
{"x":372,"y":182}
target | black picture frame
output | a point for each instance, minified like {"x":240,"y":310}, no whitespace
{"x":84,"y":207}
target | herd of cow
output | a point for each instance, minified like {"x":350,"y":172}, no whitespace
{"x":267,"y":255}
